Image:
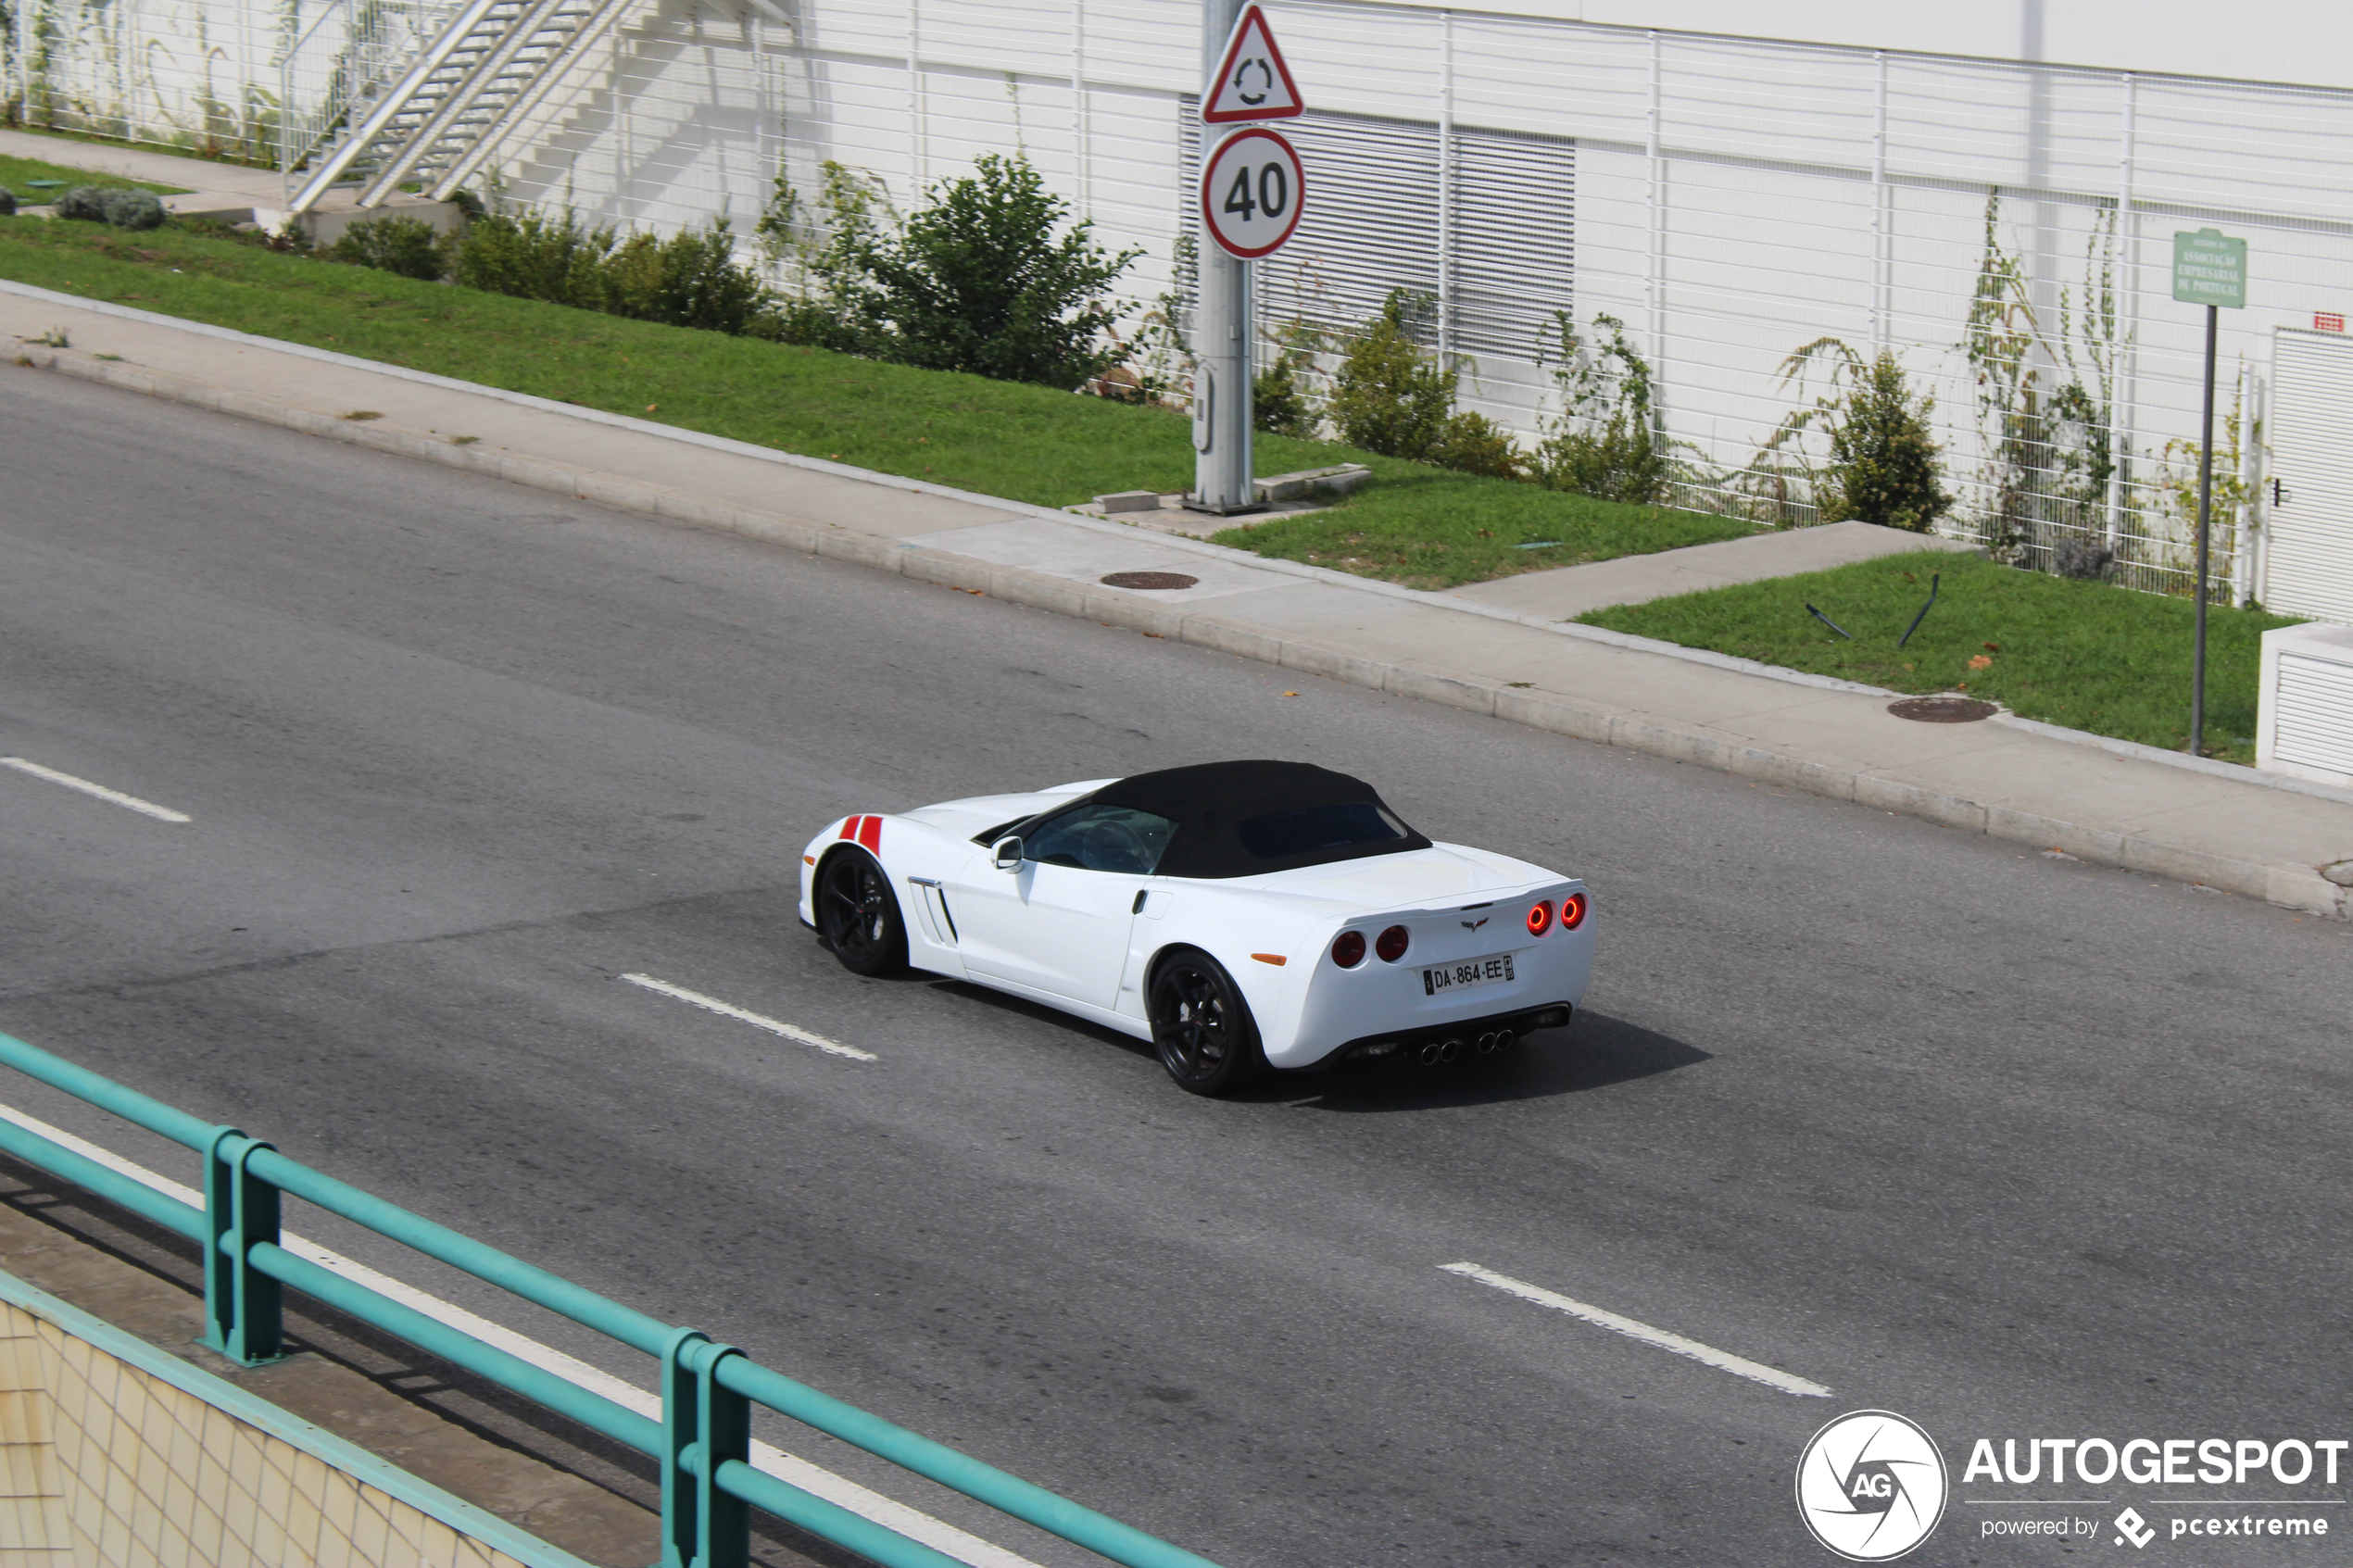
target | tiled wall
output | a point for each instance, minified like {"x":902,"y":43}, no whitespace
{"x":105,"y":1466}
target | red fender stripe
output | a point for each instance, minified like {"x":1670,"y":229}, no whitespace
{"x":870,"y":835}
{"x":849,"y":827}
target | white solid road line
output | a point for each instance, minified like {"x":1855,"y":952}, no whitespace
{"x":935,"y":1532}
{"x":729,"y":1010}
{"x":129,"y":802}
{"x":1740,"y":1366}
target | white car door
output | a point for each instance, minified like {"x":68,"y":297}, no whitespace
{"x":1059,"y":922}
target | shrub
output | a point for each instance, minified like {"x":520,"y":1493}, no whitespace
{"x":1390,"y":397}
{"x":127,"y":209}
{"x":1279,"y":405}
{"x":1606,"y":442}
{"x":532,"y":257}
{"x":1474,"y":443}
{"x":409,"y":246}
{"x":1396,"y":397}
{"x":976,"y":281}
{"x":810,"y":245}
{"x":83,"y":204}
{"x":690,"y":280}
{"x":118,"y":205}
{"x":1884,"y":467}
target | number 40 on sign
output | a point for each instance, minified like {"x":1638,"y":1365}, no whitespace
{"x":1252,"y":190}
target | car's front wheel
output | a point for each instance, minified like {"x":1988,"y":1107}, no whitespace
{"x":1202,"y":1025}
{"x":859,"y":915}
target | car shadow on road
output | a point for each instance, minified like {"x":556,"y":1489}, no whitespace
{"x":1596,"y":1052}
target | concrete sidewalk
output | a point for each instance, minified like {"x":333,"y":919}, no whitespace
{"x":1570,"y":591}
{"x":2208,"y":822}
{"x":230,"y":191}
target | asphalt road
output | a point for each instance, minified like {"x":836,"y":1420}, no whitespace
{"x":2009,"y":1144}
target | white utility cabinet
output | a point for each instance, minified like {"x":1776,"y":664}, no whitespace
{"x":2304,"y":726}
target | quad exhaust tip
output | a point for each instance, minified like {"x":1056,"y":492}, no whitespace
{"x":1494,"y":1043}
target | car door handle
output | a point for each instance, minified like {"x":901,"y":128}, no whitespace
{"x":1137,"y":907}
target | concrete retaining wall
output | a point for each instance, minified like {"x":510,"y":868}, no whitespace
{"x":115,"y":1453}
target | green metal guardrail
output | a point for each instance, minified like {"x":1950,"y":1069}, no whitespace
{"x":702,"y":1443}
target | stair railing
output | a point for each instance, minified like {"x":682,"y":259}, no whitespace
{"x":337,"y":71}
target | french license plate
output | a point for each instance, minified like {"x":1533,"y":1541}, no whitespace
{"x":1462,"y":976}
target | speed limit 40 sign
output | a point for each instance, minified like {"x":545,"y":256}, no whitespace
{"x":1252,"y":190}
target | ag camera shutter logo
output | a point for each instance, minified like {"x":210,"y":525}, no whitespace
{"x":1872,"y":1486}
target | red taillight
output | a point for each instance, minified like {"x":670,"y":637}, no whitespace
{"x":1539,"y":919}
{"x":1572,"y":911}
{"x":1348,"y":951}
{"x":1392,"y":944}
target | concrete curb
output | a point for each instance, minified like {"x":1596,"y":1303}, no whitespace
{"x":2296,"y":887}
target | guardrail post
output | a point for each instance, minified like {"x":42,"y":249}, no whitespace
{"x":244,"y":1308}
{"x":704,"y":1427}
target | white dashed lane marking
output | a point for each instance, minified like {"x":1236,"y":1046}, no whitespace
{"x":1723,"y":1361}
{"x":729,"y":1010}
{"x":112,"y":796}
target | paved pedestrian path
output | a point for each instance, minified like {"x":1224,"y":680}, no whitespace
{"x":1566,"y":592}
{"x":226,"y":189}
{"x":2200,"y":821}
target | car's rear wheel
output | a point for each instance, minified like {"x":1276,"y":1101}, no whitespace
{"x":1202,"y":1025}
{"x":859,"y":915}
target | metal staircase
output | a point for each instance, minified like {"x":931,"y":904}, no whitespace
{"x":441,"y":101}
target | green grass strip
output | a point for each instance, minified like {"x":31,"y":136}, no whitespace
{"x":2087,"y":654}
{"x":1412,"y":525}
{"x":17,"y":174}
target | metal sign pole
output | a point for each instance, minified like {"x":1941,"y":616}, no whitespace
{"x":2209,"y":269}
{"x":1222,"y":477}
{"x":2205,"y":513}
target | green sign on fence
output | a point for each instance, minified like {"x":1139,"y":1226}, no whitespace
{"x":2209,"y":267}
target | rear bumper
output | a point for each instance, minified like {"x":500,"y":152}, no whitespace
{"x":1467,"y":1033}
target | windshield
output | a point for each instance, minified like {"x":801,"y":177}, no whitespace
{"x":1097,"y":838}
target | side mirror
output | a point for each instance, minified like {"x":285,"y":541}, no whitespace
{"x":1007,"y":855}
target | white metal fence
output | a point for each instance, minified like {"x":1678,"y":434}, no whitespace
{"x":1729,"y":200}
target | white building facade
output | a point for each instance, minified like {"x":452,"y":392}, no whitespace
{"x":1990,"y":193}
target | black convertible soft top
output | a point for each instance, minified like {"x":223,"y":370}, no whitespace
{"x":1245,"y":819}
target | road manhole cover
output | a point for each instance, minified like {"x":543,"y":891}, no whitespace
{"x":1943,"y":710}
{"x":1149,"y":580}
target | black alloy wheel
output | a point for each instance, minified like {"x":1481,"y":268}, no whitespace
{"x":859,"y":915}
{"x":1201,"y":1026}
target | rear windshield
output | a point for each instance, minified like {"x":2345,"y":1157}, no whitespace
{"x":1318,"y":830}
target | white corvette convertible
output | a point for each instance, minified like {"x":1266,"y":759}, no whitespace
{"x":1238,"y":915}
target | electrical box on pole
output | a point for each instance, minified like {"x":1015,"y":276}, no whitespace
{"x":1252,"y":190}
